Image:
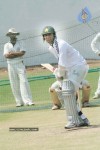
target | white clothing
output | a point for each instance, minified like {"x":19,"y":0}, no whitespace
{"x":95,"y":45}
{"x":71,"y":59}
{"x":16,"y":48}
{"x":75,"y":67}
{"x":97,"y":93}
{"x":68,"y":56}
{"x":17,"y":75}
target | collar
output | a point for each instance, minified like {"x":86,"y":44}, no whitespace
{"x":56,"y":45}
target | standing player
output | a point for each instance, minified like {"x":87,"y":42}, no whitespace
{"x":72,"y":69}
{"x":14,"y":51}
{"x":96,"y":49}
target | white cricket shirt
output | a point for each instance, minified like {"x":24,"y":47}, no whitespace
{"x":17,"y":47}
{"x":67,"y":55}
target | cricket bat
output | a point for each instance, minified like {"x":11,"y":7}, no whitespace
{"x":48,"y":66}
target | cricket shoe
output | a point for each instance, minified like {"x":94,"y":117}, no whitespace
{"x":29,"y":104}
{"x":85,"y":104}
{"x":96,"y":96}
{"x":70,"y":125}
{"x":19,"y":105}
{"x":55,"y":107}
{"x":86,"y":122}
{"x":73,"y":125}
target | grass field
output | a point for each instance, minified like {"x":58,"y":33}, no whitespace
{"x":51,"y":134}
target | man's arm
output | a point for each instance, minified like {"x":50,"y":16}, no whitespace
{"x":12,"y":54}
{"x":94,"y":44}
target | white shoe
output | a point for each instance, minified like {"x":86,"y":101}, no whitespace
{"x":73,"y":125}
{"x":19,"y":105}
{"x":96,"y":96}
{"x":29,"y":104}
{"x":70,"y":125}
{"x":55,"y":107}
{"x":86,"y":104}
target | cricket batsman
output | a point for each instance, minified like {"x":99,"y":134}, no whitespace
{"x":72,"y":69}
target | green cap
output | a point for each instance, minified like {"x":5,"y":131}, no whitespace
{"x":48,"y":29}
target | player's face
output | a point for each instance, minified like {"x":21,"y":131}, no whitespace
{"x":13,"y":38}
{"x":49,"y":38}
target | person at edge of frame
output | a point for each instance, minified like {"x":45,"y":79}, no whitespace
{"x":96,"y":49}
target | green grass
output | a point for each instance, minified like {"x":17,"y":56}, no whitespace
{"x":51,"y":134}
{"x":40,"y":89}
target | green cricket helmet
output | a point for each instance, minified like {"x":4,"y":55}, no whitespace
{"x":48,"y":29}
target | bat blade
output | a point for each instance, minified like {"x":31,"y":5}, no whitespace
{"x":48,"y":66}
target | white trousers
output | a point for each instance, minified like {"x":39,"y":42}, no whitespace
{"x":98,"y":88}
{"x":19,"y":83}
{"x":77,"y":74}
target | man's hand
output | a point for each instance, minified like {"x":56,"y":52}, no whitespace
{"x":57,"y":75}
{"x":60,"y":73}
{"x":12,"y":54}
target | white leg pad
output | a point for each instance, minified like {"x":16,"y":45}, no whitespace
{"x":68,"y":91}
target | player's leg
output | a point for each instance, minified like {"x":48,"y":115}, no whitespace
{"x":14,"y":82}
{"x":79,"y":109}
{"x":24,"y":86}
{"x":69,"y":94}
{"x":54,"y":95}
{"x":86,"y":89}
{"x":97,"y":93}
{"x":83,"y":117}
{"x":76,"y":76}
{"x":60,"y":96}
